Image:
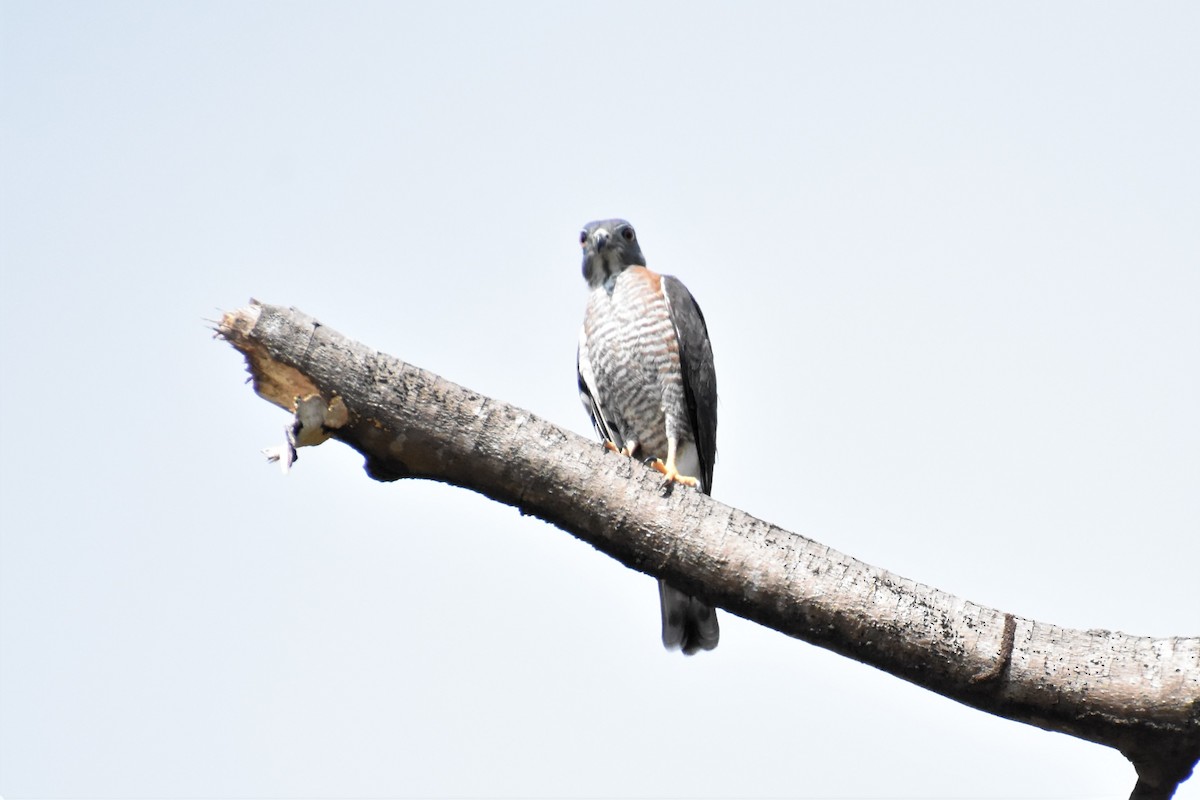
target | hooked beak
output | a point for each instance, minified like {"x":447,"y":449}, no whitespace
{"x":599,"y":239}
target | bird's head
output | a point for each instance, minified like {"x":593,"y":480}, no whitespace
{"x":609,"y":247}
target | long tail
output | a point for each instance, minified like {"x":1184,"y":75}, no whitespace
{"x":688,"y":623}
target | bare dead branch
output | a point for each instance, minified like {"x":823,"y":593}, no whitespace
{"x":1137,"y":694}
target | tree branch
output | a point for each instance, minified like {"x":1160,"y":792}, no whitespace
{"x":1139,"y":695}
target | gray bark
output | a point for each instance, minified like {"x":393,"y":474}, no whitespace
{"x":1137,"y":694}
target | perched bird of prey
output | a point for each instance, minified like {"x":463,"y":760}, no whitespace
{"x":646,"y":378}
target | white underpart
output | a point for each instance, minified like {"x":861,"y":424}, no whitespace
{"x":687,"y":460}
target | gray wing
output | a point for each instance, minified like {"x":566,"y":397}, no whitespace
{"x":699,"y":375}
{"x":589,"y":395}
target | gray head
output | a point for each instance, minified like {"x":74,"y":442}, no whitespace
{"x":609,"y":247}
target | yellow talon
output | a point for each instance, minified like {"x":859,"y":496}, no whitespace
{"x":619,"y":450}
{"x":672,"y":473}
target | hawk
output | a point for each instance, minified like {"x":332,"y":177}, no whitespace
{"x":646,"y":378}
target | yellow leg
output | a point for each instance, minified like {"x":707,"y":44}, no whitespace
{"x":624,"y":451}
{"x":671,"y":471}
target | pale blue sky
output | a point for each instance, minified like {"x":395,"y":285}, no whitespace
{"x":948,"y":255}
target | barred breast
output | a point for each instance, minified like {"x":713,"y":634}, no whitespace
{"x":634,"y":357}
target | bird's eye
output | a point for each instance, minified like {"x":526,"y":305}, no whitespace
{"x":582,"y":237}
{"x":627,"y":232}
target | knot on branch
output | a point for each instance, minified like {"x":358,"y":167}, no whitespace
{"x":1004,"y":657}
